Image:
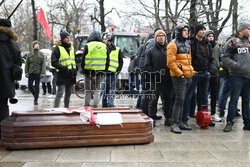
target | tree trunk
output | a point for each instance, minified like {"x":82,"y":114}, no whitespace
{"x":167,"y":21}
{"x":156,"y":14}
{"x":193,"y":18}
{"x":34,"y":20}
{"x":235,"y":16}
{"x":102,"y":15}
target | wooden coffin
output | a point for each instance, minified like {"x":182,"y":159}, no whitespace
{"x":25,"y":130}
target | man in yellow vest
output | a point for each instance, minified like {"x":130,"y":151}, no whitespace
{"x":94,"y":66}
{"x":115,"y":61}
{"x":63,"y":59}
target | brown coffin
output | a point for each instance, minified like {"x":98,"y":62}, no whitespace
{"x":24,"y":130}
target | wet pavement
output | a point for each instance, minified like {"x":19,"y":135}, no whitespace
{"x":196,"y":148}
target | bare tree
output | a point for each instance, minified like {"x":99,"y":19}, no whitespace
{"x":212,"y":13}
{"x":68,"y":14}
{"x":163,"y":13}
{"x":102,"y":15}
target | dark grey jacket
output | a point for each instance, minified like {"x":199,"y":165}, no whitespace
{"x":236,"y":56}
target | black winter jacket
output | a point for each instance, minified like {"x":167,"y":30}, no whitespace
{"x":64,"y":76}
{"x":10,"y":54}
{"x":145,"y":49}
{"x":156,"y":60}
{"x":201,"y":52}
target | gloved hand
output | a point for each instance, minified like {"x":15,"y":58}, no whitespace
{"x":27,"y":75}
{"x":42,"y":75}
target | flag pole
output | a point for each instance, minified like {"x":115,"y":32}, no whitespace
{"x":15,"y":9}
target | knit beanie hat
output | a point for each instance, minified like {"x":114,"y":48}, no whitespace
{"x":34,"y":42}
{"x":156,"y":29}
{"x":64,"y":34}
{"x":5,"y":23}
{"x":198,"y":27}
{"x":159,"y":32}
{"x":209,"y":32}
{"x":243,"y":26}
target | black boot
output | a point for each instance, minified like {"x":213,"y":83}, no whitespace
{"x":176,"y":129}
{"x":247,"y":126}
{"x":157,"y":117}
{"x":167,"y":122}
{"x":211,"y":123}
{"x":36,"y":101}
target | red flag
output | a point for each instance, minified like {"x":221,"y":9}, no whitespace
{"x":42,"y":20}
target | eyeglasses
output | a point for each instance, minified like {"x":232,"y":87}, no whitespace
{"x":160,"y":36}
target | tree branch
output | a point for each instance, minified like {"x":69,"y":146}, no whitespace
{"x":94,"y":18}
{"x":111,"y":11}
{"x":183,"y":8}
{"x":2,"y":2}
{"x":228,"y":16}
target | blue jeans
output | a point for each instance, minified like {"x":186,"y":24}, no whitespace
{"x":138,"y":104}
{"x":133,"y":78}
{"x":224,"y":96}
{"x":237,"y":84}
{"x":109,"y":90}
{"x":193,"y":102}
{"x":222,"y":82}
{"x":202,"y":82}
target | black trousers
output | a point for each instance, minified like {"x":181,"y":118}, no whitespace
{"x":34,"y":89}
{"x":45,"y":86}
{"x":214,"y":85}
{"x":54,"y":82}
{"x":4,"y":110}
{"x":164,"y":86}
{"x":145,"y":94}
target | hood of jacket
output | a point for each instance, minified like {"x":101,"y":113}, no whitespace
{"x":178,"y":31}
{"x":6,"y":33}
{"x":213,"y":43}
{"x":94,"y":36}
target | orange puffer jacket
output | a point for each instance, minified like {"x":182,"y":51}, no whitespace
{"x":179,"y":59}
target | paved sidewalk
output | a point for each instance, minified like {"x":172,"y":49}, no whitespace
{"x":196,"y":148}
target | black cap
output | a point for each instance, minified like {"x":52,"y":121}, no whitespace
{"x":198,"y":27}
{"x":64,"y":34}
{"x":110,"y":37}
{"x":156,"y":29}
{"x":5,"y":23}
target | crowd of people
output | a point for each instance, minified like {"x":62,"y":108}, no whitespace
{"x":182,"y":72}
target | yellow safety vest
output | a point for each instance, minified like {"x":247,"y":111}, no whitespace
{"x":114,"y":60}
{"x":50,"y":65}
{"x":96,"y":57}
{"x":65,"y":59}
